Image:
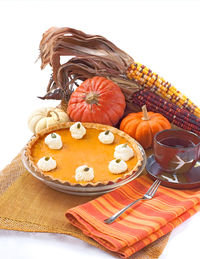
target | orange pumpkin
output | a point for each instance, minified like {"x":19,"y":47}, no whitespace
{"x":143,"y":126}
{"x":97,"y":100}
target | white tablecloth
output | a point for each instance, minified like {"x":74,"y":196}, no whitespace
{"x":183,"y":243}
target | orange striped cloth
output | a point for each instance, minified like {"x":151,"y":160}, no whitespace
{"x":142,"y":224}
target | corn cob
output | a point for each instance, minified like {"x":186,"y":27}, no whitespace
{"x":179,"y":117}
{"x":151,"y":80}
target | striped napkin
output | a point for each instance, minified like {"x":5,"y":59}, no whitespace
{"x":142,"y":224}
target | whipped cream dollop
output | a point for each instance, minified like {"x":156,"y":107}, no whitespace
{"x":46,"y":163}
{"x":84,"y":173}
{"x":77,"y":130}
{"x":106,"y":137}
{"x":117,"y":166}
{"x":53,"y":141}
{"x":124,"y":152}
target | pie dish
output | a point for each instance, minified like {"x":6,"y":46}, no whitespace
{"x":75,"y":152}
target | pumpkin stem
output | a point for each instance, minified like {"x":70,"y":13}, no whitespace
{"x":91,"y":98}
{"x":49,"y":114}
{"x":145,"y":113}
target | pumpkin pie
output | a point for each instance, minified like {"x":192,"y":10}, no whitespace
{"x":77,"y":152}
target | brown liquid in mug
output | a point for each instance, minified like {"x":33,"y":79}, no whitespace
{"x":177,"y":142}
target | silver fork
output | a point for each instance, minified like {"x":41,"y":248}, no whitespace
{"x":147,"y":196}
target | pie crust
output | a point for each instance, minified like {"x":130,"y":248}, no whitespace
{"x":29,"y":156}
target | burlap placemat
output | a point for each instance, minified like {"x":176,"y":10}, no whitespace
{"x":26,"y":204}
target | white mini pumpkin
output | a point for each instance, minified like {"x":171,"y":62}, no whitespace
{"x":46,"y":117}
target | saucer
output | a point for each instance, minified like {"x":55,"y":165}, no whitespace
{"x":188,"y":180}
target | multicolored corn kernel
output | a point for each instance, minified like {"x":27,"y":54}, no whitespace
{"x":146,"y":78}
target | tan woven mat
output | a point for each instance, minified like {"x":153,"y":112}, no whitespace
{"x":26,"y":204}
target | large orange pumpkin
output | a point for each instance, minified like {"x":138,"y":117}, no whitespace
{"x":97,"y":100}
{"x":143,"y":126}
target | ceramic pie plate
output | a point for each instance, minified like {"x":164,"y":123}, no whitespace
{"x":88,"y":189}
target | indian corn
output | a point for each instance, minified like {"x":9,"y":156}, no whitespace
{"x":176,"y":115}
{"x":145,"y":77}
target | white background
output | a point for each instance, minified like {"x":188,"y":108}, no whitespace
{"x":164,"y":35}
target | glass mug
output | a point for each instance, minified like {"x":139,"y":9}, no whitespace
{"x":176,"y":150}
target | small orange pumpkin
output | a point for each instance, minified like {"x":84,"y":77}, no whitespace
{"x":143,"y":126}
